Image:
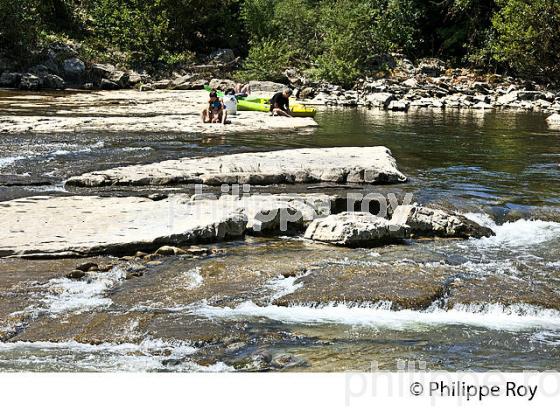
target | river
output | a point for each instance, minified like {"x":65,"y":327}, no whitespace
{"x":498,"y":311}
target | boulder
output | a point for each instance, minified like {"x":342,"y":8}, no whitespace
{"x":481,"y":105}
{"x":120,"y":78}
{"x":400,"y":105}
{"x":221,"y":84}
{"x":307,"y":93}
{"x":39,"y":70}
{"x":10,"y":80}
{"x":147,"y":87}
{"x":134,"y":78}
{"x":53,"y":82}
{"x":554,"y":120}
{"x":161,"y":84}
{"x":75,"y":274}
{"x":360,"y":165}
{"x":106,"y":84}
{"x":30,"y":82}
{"x":88,"y":267}
{"x":74,"y":69}
{"x":186,"y":82}
{"x":266,"y":86}
{"x":381,"y":100}
{"x":222,"y":56}
{"x":431,"y":67}
{"x":508,"y":98}
{"x":355,"y":229}
{"x":170,"y":251}
{"x":99,"y":71}
{"x":424,"y":221}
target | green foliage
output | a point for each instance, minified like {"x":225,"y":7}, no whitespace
{"x":18,"y":30}
{"x":528,"y":37}
{"x":335,"y":40}
{"x":137,"y":26}
{"x":354,"y":33}
{"x":266,"y":61}
{"x":257,"y":16}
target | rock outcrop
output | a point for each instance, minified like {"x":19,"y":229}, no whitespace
{"x":81,"y":225}
{"x":355,"y":229}
{"x":360,"y":165}
{"x":424,"y":221}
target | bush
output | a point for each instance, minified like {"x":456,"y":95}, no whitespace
{"x":528,"y":38}
{"x":354,"y":33}
{"x":19,"y":31}
{"x":266,"y":61}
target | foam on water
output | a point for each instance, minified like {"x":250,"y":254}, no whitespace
{"x":192,"y":279}
{"x":282,"y":286}
{"x":518,"y":234}
{"x":149,"y":355}
{"x":7,"y":161}
{"x":64,"y":295}
{"x":494,"y":316}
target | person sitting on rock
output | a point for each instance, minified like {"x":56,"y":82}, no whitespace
{"x":215,"y":112}
{"x":280,"y":103}
{"x":242,"y":90}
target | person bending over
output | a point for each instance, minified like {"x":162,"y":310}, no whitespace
{"x":280,"y":103}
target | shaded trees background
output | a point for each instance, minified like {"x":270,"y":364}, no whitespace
{"x":335,"y":40}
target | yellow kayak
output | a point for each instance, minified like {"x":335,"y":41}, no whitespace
{"x":262,"y":104}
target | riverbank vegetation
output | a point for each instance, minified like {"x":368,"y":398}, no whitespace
{"x":335,"y":40}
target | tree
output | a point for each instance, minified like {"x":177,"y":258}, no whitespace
{"x":528,"y":37}
{"x":19,"y":31}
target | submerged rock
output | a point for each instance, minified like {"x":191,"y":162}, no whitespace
{"x":170,"y":250}
{"x":396,"y":286}
{"x":358,"y":229}
{"x":362,"y":165}
{"x":425,"y":221}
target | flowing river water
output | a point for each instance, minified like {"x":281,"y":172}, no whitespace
{"x":499,"y":307}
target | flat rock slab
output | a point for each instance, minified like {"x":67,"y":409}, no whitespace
{"x":128,"y":111}
{"x":88,"y":225}
{"x":81,"y":225}
{"x":360,"y":165}
{"x":404,"y":286}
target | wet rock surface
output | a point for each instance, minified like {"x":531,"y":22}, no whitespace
{"x":405,"y":287}
{"x":504,"y":291}
{"x":352,"y":165}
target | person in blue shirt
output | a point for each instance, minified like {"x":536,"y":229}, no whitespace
{"x":215,"y":112}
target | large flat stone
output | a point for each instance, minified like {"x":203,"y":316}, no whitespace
{"x":347,"y":164}
{"x":404,"y":286}
{"x":129,"y":111}
{"x":81,"y":225}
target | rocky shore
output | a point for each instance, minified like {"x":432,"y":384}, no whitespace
{"x":402,"y":85}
